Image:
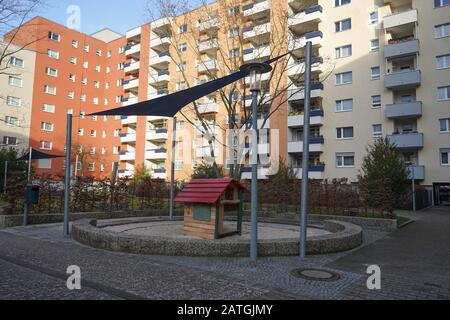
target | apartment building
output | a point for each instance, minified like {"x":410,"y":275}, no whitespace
{"x":16,"y":95}
{"x":381,"y":68}
{"x":79,"y":74}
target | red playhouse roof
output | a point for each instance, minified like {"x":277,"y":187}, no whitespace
{"x":205,"y":190}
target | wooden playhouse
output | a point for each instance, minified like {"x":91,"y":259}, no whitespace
{"x":205,"y":203}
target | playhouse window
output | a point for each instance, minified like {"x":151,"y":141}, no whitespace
{"x":202,"y":212}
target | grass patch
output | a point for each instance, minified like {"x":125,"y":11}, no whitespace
{"x":402,"y":220}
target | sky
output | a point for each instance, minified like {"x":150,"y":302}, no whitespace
{"x":118,"y":15}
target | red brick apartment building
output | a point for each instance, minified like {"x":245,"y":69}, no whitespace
{"x":75,"y":73}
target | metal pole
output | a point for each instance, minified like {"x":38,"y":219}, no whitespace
{"x":26,"y":205}
{"x":172,"y":168}
{"x":5,"y":177}
{"x":413,"y":189}
{"x":67,"y":177}
{"x":29,"y":164}
{"x":305,"y":166}
{"x":254,"y":187}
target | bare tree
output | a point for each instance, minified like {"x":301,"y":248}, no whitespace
{"x":223,"y":38}
{"x":13,"y":16}
{"x":82,"y":157}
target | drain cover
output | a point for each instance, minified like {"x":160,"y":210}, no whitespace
{"x":316,"y":274}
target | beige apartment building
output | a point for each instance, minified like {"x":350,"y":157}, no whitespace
{"x":381,"y":68}
{"x":16,"y":95}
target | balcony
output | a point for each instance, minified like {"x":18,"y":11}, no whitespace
{"x":259,"y":32}
{"x":314,"y":172}
{"x":407,"y":140}
{"x":161,"y":25}
{"x":297,"y":121}
{"x":310,"y":15}
{"x":297,"y":93}
{"x":159,"y":78}
{"x":416,"y":171}
{"x":161,"y":60}
{"x":132,"y":67}
{"x":398,"y":49}
{"x":209,"y":24}
{"x":256,"y":53}
{"x":134,"y":33}
{"x":125,"y":173}
{"x":131,"y":84}
{"x":156,"y":154}
{"x":262,"y":99}
{"x":129,"y":101}
{"x":315,"y":145}
{"x":127,"y":137}
{"x":402,"y":80}
{"x":247,"y":173}
{"x":160,"y":44}
{"x":159,"y":173}
{"x":207,"y":66}
{"x":211,"y":107}
{"x":316,"y":38}
{"x":400,"y":19}
{"x":158,"y":94}
{"x":127,"y":156}
{"x":157,"y":135}
{"x":132,"y":50}
{"x":404,"y":110}
{"x":129,"y":120}
{"x":202,"y":152}
{"x":298,"y":69}
{"x":256,"y":8}
{"x":208,"y":45}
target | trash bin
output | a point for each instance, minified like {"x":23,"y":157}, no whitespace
{"x":32,"y":194}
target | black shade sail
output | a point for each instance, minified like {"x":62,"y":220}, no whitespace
{"x":37,"y":155}
{"x":170,"y":105}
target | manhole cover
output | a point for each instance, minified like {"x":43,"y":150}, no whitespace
{"x":316,"y":274}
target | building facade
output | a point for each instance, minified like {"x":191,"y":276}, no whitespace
{"x":381,"y":68}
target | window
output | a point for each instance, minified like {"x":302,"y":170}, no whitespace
{"x":106,"y":101}
{"x":234,"y":53}
{"x":345,"y":51}
{"x":83,"y":97}
{"x":344,"y":133}
{"x":377,"y":130}
{"x":92,"y":150}
{"x":344,"y":78}
{"x":338,"y":3}
{"x":51,"y":72}
{"x":84,"y":81}
{"x":16,"y":62}
{"x":85,"y":64}
{"x":373,"y":17}
{"x":179,"y":165}
{"x":108,"y":69}
{"x":86,"y":48}
{"x":10,"y":141}
{"x":95,"y":100}
{"x":441,"y":3}
{"x":182,"y":66}
{"x":72,"y":77}
{"x":91,"y":167}
{"x":98,"y":68}
{"x":443,"y":62}
{"x":54,"y":36}
{"x":442,"y":31}
{"x":444,"y":93}
{"x":15,"y":81}
{"x":183,"y":28}
{"x":96,"y":84}
{"x":343,"y":25}
{"x":374,"y":45}
{"x":81,"y":132}
{"x":117,"y":132}
{"x":74,"y":43}
{"x":53,"y":54}
{"x":102,"y":168}
{"x":98,"y":52}
{"x":71,"y":95}
{"x":46,"y":126}
{"x":445,"y":157}
{"x":50,"y":90}
{"x":376,"y":101}
{"x":109,"y":54}
{"x":116,"y":150}
{"x":45,"y":164}
{"x":375,"y":73}
{"x":73,"y":60}
{"x":106,"y":85}
{"x":344,"y":105}
{"x":13,"y":101}
{"x":12,"y":121}
{"x":103,"y":150}
{"x":182,"y":47}
{"x":233,"y":11}
{"x":345,"y":160}
{"x":48,"y":108}
{"x":444,"y":125}
{"x":82,"y":114}
{"x":46,"y":145}
{"x":234,"y":32}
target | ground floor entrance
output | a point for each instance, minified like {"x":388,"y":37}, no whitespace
{"x":441,"y":193}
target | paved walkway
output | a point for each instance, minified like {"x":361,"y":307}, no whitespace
{"x":415,"y":263}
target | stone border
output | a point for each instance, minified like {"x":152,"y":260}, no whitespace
{"x":9,"y":221}
{"x":345,"y":236}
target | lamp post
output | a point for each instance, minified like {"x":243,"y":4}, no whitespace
{"x":67,"y":177}
{"x":172,"y":168}
{"x":255,"y":70}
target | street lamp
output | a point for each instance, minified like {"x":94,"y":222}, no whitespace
{"x":255,"y":70}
